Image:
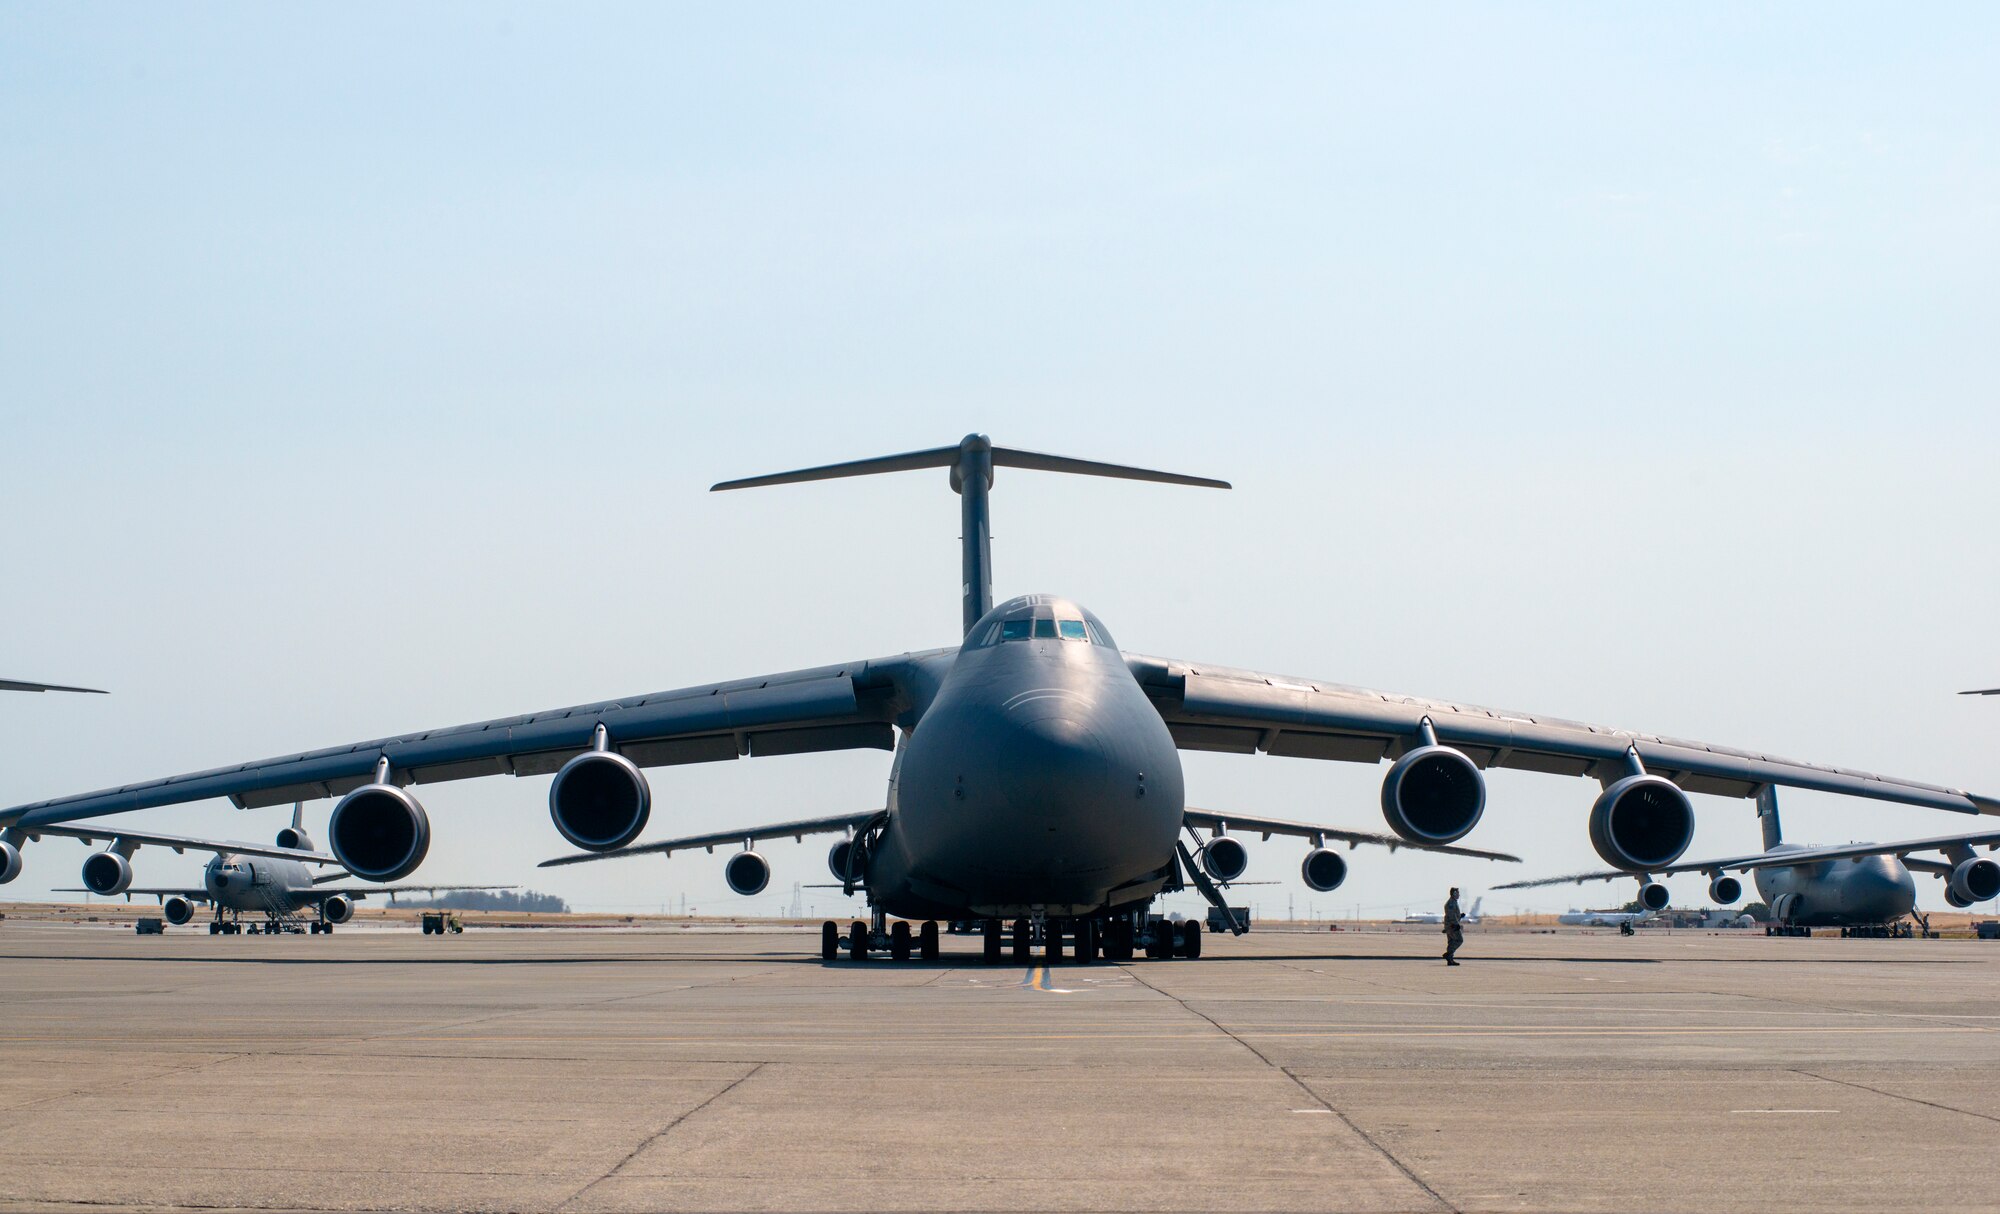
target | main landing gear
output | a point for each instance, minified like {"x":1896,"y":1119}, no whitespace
{"x":860,"y":939}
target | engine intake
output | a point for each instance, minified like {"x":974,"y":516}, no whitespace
{"x":600,"y":800}
{"x":1433,"y":794}
{"x":747,"y":873}
{"x":1976,"y":880}
{"x":1224,"y":858}
{"x":1654,"y":896}
{"x":107,"y":872}
{"x":10,"y":862}
{"x":1724,"y":891}
{"x":337,"y":909}
{"x":1641,"y":822}
{"x":1323,"y":870}
{"x":837,"y":858}
{"x":296,"y":839}
{"x":177,"y":910}
{"x":379,"y":832}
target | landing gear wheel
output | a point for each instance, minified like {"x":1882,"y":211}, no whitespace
{"x":1086,"y":941}
{"x":991,"y":951}
{"x":1023,"y":939}
{"x":899,"y":941}
{"x":1190,"y":941}
{"x":857,"y":941}
{"x":1052,"y":942}
{"x":1118,"y":940}
{"x":326,"y":928}
{"x":1160,"y":941}
{"x":829,"y":940}
{"x":927,"y":940}
{"x":215,"y":929}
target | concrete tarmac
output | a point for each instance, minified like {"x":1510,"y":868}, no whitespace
{"x":673,"y":1070}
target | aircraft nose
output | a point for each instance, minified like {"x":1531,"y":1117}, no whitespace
{"x":1048,"y":762}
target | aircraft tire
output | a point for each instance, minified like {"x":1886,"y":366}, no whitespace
{"x":829,"y":940}
{"x":927,"y":940}
{"x":1086,"y":941}
{"x":990,"y":942}
{"x":1191,"y":940}
{"x":326,"y":929}
{"x":857,"y":941}
{"x":899,"y":940}
{"x":1023,"y":940}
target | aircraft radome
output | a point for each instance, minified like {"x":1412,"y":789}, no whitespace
{"x":1036,"y":779}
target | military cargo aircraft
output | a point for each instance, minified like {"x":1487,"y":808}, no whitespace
{"x":1856,"y":886}
{"x":272,"y":884}
{"x":1036,"y":781}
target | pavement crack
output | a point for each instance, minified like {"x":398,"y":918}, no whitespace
{"x":1315,"y":1097}
{"x":1929,"y":1104}
{"x":658,"y":1134}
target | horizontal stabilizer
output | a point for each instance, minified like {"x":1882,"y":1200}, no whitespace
{"x":949,"y":457}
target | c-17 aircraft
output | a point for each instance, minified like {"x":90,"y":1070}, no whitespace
{"x":272,"y":882}
{"x":1036,"y":778}
{"x":1857,"y":886}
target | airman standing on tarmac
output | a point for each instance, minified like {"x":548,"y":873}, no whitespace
{"x":1454,"y":935}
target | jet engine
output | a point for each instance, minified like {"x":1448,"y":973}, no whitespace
{"x":600,"y":800}
{"x":10,"y":862}
{"x":1641,"y":822}
{"x":1323,"y":870}
{"x":295,"y":838}
{"x":338,"y":909}
{"x":837,"y":857}
{"x":1724,"y":891}
{"x":177,"y":910}
{"x":379,"y":832}
{"x":747,"y":873}
{"x":1433,"y":794}
{"x":1654,"y":896}
{"x":107,"y":872}
{"x":1224,"y":858}
{"x":1976,"y":880}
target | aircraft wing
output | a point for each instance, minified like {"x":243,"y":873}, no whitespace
{"x":1246,"y":712}
{"x":1319,"y":834}
{"x":842,"y":707}
{"x":1789,"y":858}
{"x":92,"y":832}
{"x":192,"y":895}
{"x":322,"y":892}
{"x":778,"y":830}
{"x":19,"y":685}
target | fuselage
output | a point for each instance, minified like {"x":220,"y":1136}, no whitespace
{"x":1838,"y":893}
{"x":1038,"y":777}
{"x":247,"y":883}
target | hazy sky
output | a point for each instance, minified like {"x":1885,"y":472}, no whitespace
{"x":362,"y":370}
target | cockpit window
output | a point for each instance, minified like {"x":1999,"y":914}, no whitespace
{"x":1015,"y":630}
{"x":1072,"y":630}
{"x":1045,"y":629}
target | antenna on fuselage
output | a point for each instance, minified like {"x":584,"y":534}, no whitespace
{"x":972,"y":463}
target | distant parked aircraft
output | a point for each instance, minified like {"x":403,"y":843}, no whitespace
{"x":1471,"y":916}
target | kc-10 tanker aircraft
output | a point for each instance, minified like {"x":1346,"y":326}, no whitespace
{"x":1862,"y":887}
{"x":1036,"y":781}
{"x":272,"y":884}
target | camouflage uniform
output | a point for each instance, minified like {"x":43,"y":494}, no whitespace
{"x":1454,"y":935}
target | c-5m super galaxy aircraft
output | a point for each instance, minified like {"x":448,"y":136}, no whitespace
{"x":1862,"y":887}
{"x":1036,"y":777}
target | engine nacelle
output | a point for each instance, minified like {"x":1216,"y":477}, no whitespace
{"x":379,"y":832}
{"x":837,"y":858}
{"x":1641,"y":822}
{"x":107,"y":872}
{"x":1953,"y":900}
{"x":337,"y":909}
{"x":1724,"y":891}
{"x":1224,"y":858}
{"x":1976,"y":880}
{"x":600,"y":800}
{"x":177,"y":910}
{"x":1786,"y":907}
{"x":1323,"y":870}
{"x":1433,"y":794}
{"x":295,"y":838}
{"x":10,"y":862}
{"x":747,"y":873}
{"x":1654,"y":896}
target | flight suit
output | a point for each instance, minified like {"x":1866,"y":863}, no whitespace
{"x":1454,"y":935}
